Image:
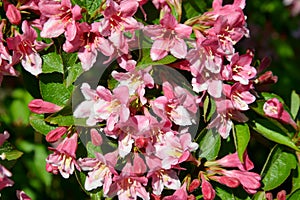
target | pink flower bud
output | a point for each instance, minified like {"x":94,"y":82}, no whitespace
{"x":207,"y":189}
{"x":274,"y":109}
{"x":40,"y":107}
{"x":56,"y":134}
{"x":281,"y":195}
{"x":194,"y":185}
{"x":22,"y":195}
{"x":13,"y":14}
{"x":267,"y":78}
{"x":269,"y":196}
{"x":141,"y":142}
{"x":3,"y":137}
{"x":96,"y":137}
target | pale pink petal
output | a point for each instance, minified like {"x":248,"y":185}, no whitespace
{"x":53,"y":28}
{"x":159,"y":49}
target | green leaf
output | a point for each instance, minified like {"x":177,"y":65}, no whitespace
{"x":40,"y":154}
{"x":210,"y":144}
{"x":225,"y":193}
{"x":296,"y":178}
{"x":194,"y":8}
{"x":146,"y":60}
{"x":266,"y":129}
{"x":295,"y":195}
{"x":53,"y":90}
{"x":279,"y":169}
{"x":74,"y":69}
{"x":295,"y":104}
{"x":61,"y":120}
{"x":259,"y":196}
{"x":52,"y":62}
{"x":241,"y":139}
{"x":92,"y":149}
{"x":11,"y":153}
{"x":37,"y":121}
{"x":74,"y":72}
{"x":90,"y":5}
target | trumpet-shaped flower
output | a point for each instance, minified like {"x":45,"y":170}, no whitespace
{"x":63,"y":160}
{"x":174,"y":149}
{"x":61,"y":17}
{"x":25,"y":47}
{"x":168,"y":37}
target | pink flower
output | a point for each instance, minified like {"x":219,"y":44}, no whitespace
{"x":101,"y":104}
{"x":99,"y":173}
{"x":161,"y":178}
{"x":239,"y":95}
{"x":21,"y":195}
{"x":25,"y":47}
{"x":63,"y":159}
{"x":136,"y":81}
{"x":62,"y":17}
{"x":4,"y":180}
{"x":239,"y":69}
{"x":249,"y":180}
{"x":130,"y":184}
{"x":274,"y":108}
{"x":40,"y":106}
{"x":226,"y":113}
{"x":228,"y":181}
{"x":88,"y":41}
{"x":177,"y":104}
{"x":180,"y":194}
{"x":118,"y":17}
{"x":174,"y":149}
{"x":232,"y":160}
{"x":168,"y":37}
{"x":96,"y":137}
{"x":207,"y":189}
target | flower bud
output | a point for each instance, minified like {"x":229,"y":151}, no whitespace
{"x":13,"y":14}
{"x":194,"y":185}
{"x":96,"y":137}
{"x":56,"y":134}
{"x":40,"y":107}
{"x":207,"y":189}
{"x":281,"y":195}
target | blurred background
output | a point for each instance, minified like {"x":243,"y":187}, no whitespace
{"x":275,"y":33}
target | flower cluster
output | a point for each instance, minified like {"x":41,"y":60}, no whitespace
{"x":141,"y":124}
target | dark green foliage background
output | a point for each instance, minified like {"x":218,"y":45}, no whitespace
{"x":274,"y":33}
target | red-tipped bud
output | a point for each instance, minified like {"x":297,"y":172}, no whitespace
{"x":40,"y":107}
{"x":96,"y":137}
{"x":274,"y":108}
{"x":56,"y":134}
{"x":13,"y":14}
{"x":269,"y":196}
{"x":281,"y":195}
{"x":207,"y":189}
{"x":194,"y":185}
{"x":141,"y":143}
{"x":267,"y":78}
